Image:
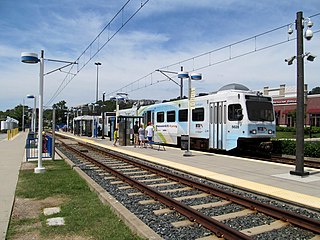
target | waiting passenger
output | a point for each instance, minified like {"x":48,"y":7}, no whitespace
{"x":149,"y":130}
{"x":115,"y":137}
{"x":136,"y":134}
{"x":142,"y":133}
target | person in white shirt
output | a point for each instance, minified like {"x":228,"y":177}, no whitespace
{"x":149,"y":131}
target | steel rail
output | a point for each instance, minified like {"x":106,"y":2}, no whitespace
{"x":291,"y":217}
{"x":221,"y":230}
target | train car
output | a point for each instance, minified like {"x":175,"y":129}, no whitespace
{"x":232,"y":118}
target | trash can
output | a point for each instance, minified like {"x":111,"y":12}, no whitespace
{"x":184,"y":142}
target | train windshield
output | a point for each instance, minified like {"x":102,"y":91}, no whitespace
{"x":260,"y":109}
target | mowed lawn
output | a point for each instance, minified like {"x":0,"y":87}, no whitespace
{"x":85,"y":216}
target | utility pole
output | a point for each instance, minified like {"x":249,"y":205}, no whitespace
{"x":103,"y":99}
{"x":181,"y":84}
{"x":300,"y":99}
{"x":23,"y":116}
{"x":53,"y":150}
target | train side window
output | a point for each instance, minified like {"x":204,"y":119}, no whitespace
{"x":235,"y":112}
{"x":183,"y":115}
{"x":198,"y":114}
{"x":171,"y":116}
{"x":160,"y":116}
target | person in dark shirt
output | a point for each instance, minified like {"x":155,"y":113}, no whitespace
{"x":136,"y":134}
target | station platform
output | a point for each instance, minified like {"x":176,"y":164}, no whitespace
{"x":269,"y":178}
{"x":12,"y":155}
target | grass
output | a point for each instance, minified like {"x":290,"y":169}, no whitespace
{"x":83,"y":212}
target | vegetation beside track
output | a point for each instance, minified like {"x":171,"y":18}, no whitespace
{"x":285,"y":141}
{"x":85,"y":216}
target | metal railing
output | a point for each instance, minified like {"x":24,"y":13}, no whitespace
{"x":32,"y":147}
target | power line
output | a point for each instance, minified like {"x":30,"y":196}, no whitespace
{"x":147,"y":80}
{"x":115,"y":25}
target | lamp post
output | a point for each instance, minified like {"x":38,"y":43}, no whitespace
{"x":34,"y":112}
{"x":23,"y":116}
{"x":103,"y":99}
{"x":53,"y":132}
{"x":97,"y":88}
{"x":191,"y":102}
{"x":32,"y":58}
{"x":119,"y":96}
{"x":300,"y":21}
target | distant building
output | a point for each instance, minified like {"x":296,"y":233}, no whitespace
{"x":9,"y":123}
{"x":285,"y":103}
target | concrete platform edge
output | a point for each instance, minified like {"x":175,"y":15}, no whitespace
{"x":134,"y":223}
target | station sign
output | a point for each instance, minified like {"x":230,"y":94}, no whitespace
{"x":192,"y":98}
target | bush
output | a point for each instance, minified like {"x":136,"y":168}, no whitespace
{"x":288,"y":147}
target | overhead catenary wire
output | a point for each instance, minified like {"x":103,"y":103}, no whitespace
{"x":130,"y":87}
{"x":82,"y":61}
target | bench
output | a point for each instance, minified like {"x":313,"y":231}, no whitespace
{"x":159,"y":144}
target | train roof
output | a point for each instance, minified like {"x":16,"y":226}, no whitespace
{"x":234,"y":86}
{"x":228,"y":87}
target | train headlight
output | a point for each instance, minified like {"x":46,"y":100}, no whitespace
{"x":253,"y":131}
{"x":270,"y":131}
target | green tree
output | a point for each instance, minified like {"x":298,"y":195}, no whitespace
{"x":315,"y":90}
{"x":61,"y":112}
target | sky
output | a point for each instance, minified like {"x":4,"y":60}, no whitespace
{"x":161,"y":35}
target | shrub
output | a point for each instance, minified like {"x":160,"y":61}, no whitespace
{"x":288,"y":147}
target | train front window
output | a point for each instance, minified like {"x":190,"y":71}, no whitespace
{"x":260,"y":111}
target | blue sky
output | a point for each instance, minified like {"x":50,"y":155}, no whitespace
{"x":162,"y":33}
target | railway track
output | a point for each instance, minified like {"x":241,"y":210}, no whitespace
{"x":176,"y":205}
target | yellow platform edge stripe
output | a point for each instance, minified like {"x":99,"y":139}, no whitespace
{"x":279,"y":193}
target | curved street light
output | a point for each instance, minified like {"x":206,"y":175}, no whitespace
{"x":191,"y":101}
{"x":32,"y":58}
{"x":119,"y":96}
{"x":97,"y":89}
{"x":34,"y":112}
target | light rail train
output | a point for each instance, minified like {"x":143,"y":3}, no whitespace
{"x":232,"y":118}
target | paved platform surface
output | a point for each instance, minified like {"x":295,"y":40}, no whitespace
{"x":270,"y":178}
{"x":11,"y":156}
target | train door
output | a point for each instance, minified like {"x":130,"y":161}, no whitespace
{"x":217,"y":128}
{"x":149,"y":117}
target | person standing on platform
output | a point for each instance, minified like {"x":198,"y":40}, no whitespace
{"x":142,"y":133}
{"x":115,"y":137}
{"x":136,"y":134}
{"x":44,"y":142}
{"x":149,"y":131}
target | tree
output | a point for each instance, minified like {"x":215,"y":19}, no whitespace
{"x":315,"y":90}
{"x":61,"y":108}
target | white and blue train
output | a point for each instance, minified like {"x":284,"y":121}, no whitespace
{"x":232,"y":118}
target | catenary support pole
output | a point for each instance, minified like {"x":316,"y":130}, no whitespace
{"x":299,"y":170}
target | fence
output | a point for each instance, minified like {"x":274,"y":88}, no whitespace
{"x":32,"y":147}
